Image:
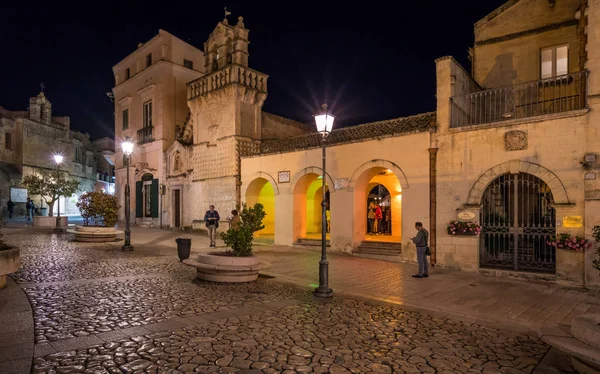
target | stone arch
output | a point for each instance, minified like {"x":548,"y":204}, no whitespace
{"x":312,"y":170}
{"x":382,"y":164}
{"x":260,"y":174}
{"x":517,"y":166}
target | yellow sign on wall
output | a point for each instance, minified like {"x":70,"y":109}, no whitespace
{"x":572,"y":221}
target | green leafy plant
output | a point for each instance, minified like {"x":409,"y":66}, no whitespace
{"x":596,"y":236}
{"x":240,"y":239}
{"x":50,"y":185}
{"x":98,"y":209}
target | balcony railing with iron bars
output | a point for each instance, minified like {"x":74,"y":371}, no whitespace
{"x":145,"y":135}
{"x":225,"y":76}
{"x":546,"y":96}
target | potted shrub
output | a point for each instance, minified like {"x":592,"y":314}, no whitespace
{"x":49,"y":185}
{"x":570,"y":261}
{"x":10,"y":259}
{"x":236,"y":264}
{"x":99,"y":211}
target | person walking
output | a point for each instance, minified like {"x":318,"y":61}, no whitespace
{"x":388,"y":220}
{"x":10,"y":206}
{"x":212,"y":224}
{"x":421,"y":243}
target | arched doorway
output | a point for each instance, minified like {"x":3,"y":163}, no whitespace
{"x":517,"y":221}
{"x":381,"y":186}
{"x":260,"y":190}
{"x":308,"y":195}
{"x":379,"y":205}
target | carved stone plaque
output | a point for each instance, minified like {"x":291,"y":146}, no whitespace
{"x":515,"y":140}
{"x":341,"y":183}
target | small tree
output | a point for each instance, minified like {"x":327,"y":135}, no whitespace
{"x":596,"y":236}
{"x":98,"y":209}
{"x":240,"y":238}
{"x":50,"y":186}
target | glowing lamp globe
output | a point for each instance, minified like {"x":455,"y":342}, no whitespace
{"x":58,"y":159}
{"x":324,"y":121}
{"x":127,"y":146}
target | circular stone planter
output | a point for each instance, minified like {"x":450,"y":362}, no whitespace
{"x":227,"y":269}
{"x":582,"y":342}
{"x":45,"y":221}
{"x":95,"y":234}
{"x":10,"y":261}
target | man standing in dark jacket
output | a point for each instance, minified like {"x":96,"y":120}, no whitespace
{"x":421,"y":243}
{"x":212,"y":223}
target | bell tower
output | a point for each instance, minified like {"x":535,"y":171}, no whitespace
{"x":225,"y":106}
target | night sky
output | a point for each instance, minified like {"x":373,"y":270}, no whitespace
{"x":369,"y":63}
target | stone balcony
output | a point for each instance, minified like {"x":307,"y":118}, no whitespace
{"x":231,"y":74}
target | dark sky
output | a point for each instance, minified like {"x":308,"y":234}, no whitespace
{"x":369,"y":62}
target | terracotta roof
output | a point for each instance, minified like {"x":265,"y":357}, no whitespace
{"x":375,"y":130}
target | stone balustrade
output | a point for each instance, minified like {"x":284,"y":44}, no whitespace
{"x":223,"y":77}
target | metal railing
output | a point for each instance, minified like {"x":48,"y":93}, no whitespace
{"x":546,"y":96}
{"x":145,"y":135}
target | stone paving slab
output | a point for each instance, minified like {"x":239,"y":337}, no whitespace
{"x":16,"y":330}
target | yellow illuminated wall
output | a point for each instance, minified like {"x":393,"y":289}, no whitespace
{"x":261,"y":191}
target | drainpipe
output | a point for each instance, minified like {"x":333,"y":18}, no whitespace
{"x":432,"y":204}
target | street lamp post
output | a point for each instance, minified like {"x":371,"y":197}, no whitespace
{"x":58,"y":159}
{"x":324,"y":121}
{"x":127,"y":151}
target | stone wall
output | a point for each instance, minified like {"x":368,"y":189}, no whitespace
{"x":277,"y":127}
{"x":508,"y":43}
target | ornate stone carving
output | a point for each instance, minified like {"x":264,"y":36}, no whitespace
{"x":515,"y":140}
{"x":176,"y":161}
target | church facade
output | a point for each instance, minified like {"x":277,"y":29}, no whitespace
{"x":509,"y":151}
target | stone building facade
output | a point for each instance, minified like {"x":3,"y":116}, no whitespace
{"x":105,"y":159}
{"x":150,"y":107}
{"x":31,"y":138}
{"x":511,"y":146}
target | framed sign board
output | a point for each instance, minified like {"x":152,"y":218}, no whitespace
{"x":573,"y":221}
{"x":283,"y":177}
{"x":18,"y":195}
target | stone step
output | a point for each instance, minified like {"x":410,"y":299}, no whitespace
{"x":379,"y":248}
{"x":309,"y":242}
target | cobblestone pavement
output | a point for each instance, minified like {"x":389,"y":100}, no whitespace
{"x":338,"y":337}
{"x":99,"y":310}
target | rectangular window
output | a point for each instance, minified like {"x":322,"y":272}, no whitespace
{"x":78,"y":155}
{"x":127,"y":73}
{"x":554,"y":61}
{"x":125,"y":119}
{"x":188,"y":64}
{"x":148,"y":114}
{"x":148,"y":59}
{"x":8,"y":141}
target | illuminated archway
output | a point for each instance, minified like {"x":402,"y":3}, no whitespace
{"x":364,"y":183}
{"x":260,"y":190}
{"x":308,"y":194}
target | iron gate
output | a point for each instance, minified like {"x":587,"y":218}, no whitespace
{"x":517,"y":222}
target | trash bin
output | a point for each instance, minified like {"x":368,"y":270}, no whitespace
{"x":184,"y":246}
